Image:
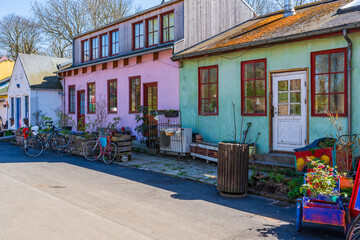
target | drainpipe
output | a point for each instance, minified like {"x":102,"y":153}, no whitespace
{"x":349,"y":77}
{"x":289,"y":8}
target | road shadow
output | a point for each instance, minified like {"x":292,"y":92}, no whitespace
{"x":186,"y":190}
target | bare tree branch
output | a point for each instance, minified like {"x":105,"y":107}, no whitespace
{"x":19,"y":35}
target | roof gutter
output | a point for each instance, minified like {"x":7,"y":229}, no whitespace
{"x":268,"y":41}
{"x":349,"y":76}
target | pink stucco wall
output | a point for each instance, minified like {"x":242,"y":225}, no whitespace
{"x":163,"y":71}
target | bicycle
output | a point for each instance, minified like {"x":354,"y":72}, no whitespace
{"x":93,"y":149}
{"x":53,"y":139}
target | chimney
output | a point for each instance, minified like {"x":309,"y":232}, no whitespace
{"x":289,"y":8}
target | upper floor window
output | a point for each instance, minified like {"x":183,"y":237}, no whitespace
{"x":168,"y":28}
{"x":152,"y":27}
{"x":135,"y":94}
{"x":208,"y":90}
{"x":71,"y":99}
{"x":138,"y":35}
{"x":104,"y":45}
{"x":329,"y":83}
{"x":94,"y":48}
{"x":115,"y":43}
{"x":86,"y":51}
{"x":91,"y":97}
{"x":253,"y":88}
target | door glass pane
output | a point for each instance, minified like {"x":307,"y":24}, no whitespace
{"x":283,"y":110}
{"x":295,"y":85}
{"x":321,"y":84}
{"x":337,"y":103}
{"x":337,"y":82}
{"x":249,"y":105}
{"x":260,"y":88}
{"x":259,"y":70}
{"x":295,"y":97}
{"x":283,"y":98}
{"x":322,"y":63}
{"x":249,"y":71}
{"x":337,"y":62}
{"x":321,"y":104}
{"x":295,"y":109}
{"x":249,"y":88}
{"x":283,"y":86}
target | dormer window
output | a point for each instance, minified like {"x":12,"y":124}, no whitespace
{"x":115,"y":42}
{"x":104,"y":45}
{"x":86,"y":51}
{"x":168,"y":28}
{"x":138,"y":35}
{"x":152,"y":28}
{"x":94,"y":48}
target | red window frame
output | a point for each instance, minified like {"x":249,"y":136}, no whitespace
{"x":108,"y":94}
{"x":116,"y":43}
{"x":153,"y":32}
{"x":105,"y":45}
{"x":168,"y":27}
{"x":130,"y":94}
{"x":243,"y":80}
{"x":139,"y":36}
{"x":96,"y":48}
{"x":313,"y":87}
{"x":72,"y":87}
{"x":146,"y":88}
{"x":199,"y":90}
{"x":83,"y":51}
{"x":89,"y":111}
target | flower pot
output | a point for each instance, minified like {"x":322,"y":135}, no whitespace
{"x":170,"y":132}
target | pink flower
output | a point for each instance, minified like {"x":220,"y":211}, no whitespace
{"x":321,"y":166}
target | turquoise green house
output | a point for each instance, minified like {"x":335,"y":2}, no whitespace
{"x":284,"y":72}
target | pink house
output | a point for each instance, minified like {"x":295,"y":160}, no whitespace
{"x":126,"y":64}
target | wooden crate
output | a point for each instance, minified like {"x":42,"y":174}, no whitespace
{"x":124,"y":146}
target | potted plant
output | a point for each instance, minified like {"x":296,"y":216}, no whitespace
{"x":321,"y":181}
{"x":171,"y":113}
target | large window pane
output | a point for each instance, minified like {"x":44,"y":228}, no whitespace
{"x":249,"y":88}
{"x":249,"y":105}
{"x":249,"y":71}
{"x":337,"y":61}
{"x":322,"y":84}
{"x":260,"y":105}
{"x":259,"y":87}
{"x":259,"y":70}
{"x":337,"y":103}
{"x":337,"y":82}
{"x":321,"y":104}
{"x":322,"y":63}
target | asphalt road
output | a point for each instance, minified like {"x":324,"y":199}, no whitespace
{"x":62,"y":197}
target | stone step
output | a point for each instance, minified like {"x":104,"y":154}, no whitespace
{"x":276,"y":158}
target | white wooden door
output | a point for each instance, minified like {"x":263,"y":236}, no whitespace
{"x":290,"y":111}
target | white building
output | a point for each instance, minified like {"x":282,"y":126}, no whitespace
{"x":33,"y":87}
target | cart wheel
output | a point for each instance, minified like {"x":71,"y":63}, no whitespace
{"x":299,"y":215}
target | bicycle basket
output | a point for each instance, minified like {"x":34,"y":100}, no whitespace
{"x":103,"y":141}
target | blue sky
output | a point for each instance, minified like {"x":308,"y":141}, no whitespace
{"x":23,"y":7}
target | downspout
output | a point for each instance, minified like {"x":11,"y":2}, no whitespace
{"x":349,"y":77}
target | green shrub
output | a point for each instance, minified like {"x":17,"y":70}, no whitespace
{"x":294,"y":187}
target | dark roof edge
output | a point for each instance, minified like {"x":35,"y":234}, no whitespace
{"x":269,"y":41}
{"x":5,"y":80}
{"x":120,"y":57}
{"x":129,"y":17}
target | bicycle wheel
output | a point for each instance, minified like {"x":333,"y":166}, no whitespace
{"x":354,"y":231}
{"x":110,"y":153}
{"x":91,"y":150}
{"x":60,"y":142}
{"x":33,"y":147}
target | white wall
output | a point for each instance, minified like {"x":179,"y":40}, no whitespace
{"x":49,"y":102}
{"x":3,"y":112}
{"x":18,"y":78}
